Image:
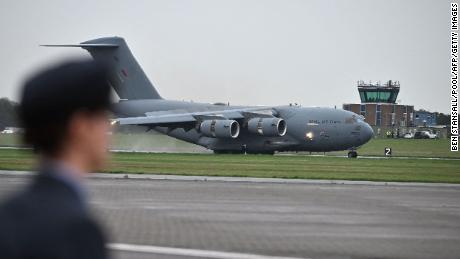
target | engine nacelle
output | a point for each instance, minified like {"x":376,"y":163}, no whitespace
{"x":270,"y":127}
{"x":220,"y":128}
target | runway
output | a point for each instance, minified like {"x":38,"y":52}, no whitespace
{"x":154,"y":218}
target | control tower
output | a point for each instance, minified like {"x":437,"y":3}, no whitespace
{"x":378,"y":105}
{"x":378,"y":93}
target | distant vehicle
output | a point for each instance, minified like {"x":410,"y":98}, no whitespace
{"x":224,"y":128}
{"x":432,"y":135}
{"x":11,"y":130}
{"x":408,"y":135}
{"x":425,"y":135}
{"x":7,"y":131}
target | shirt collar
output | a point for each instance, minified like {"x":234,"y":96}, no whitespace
{"x":66,"y":174}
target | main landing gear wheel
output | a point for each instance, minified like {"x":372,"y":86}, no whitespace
{"x":352,"y":154}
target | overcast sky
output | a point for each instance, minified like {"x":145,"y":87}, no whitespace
{"x":246,"y":52}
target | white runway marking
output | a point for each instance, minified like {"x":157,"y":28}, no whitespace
{"x":207,"y":152}
{"x":190,"y":252}
{"x":242,"y":179}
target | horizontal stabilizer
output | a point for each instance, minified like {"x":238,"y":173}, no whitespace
{"x":125,"y":75}
{"x":83,"y":45}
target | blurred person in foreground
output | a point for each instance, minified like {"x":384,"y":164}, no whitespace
{"x":64,"y":112}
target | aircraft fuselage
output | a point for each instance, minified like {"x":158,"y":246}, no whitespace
{"x":308,"y":128}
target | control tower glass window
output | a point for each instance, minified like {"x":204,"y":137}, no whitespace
{"x":376,"y":93}
{"x":378,"y":96}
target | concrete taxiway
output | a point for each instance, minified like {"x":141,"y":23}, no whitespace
{"x":195,"y":218}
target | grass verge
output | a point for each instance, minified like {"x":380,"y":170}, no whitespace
{"x":293,"y":167}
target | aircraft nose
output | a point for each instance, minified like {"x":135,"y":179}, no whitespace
{"x":366,"y":132}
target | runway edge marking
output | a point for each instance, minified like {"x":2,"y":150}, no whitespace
{"x":197,"y":178}
{"x":190,"y":252}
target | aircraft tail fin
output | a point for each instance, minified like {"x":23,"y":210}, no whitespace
{"x":126,"y":75}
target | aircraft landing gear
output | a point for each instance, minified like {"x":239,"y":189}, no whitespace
{"x":352,"y":154}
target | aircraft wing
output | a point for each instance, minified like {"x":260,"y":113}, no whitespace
{"x":165,"y":118}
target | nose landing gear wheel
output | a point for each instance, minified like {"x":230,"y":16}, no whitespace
{"x":352,"y":154}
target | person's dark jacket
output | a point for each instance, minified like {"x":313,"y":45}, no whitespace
{"x":49,"y":220}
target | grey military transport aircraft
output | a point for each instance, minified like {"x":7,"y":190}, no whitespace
{"x":220,"y":127}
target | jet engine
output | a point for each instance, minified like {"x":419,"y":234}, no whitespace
{"x":270,"y":127}
{"x":220,"y":128}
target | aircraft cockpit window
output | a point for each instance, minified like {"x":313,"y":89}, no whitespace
{"x":351,"y":120}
